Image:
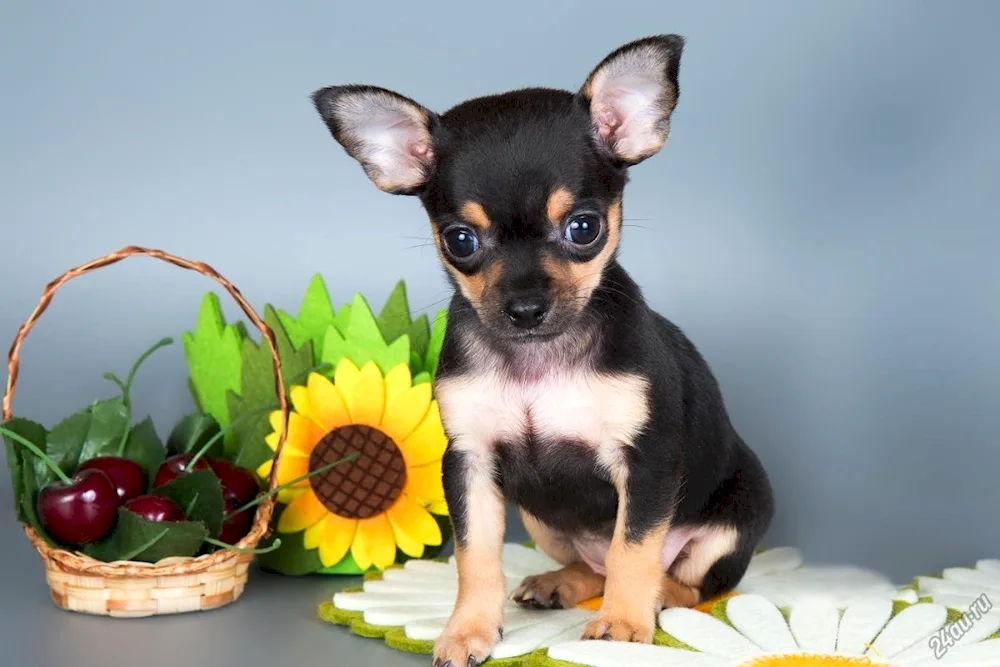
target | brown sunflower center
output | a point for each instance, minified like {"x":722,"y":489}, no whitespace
{"x":362,"y":488}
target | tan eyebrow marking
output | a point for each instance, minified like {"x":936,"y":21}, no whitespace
{"x":475,"y":215}
{"x":559,"y":204}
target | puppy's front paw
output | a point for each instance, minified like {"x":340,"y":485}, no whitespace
{"x":620,"y":628}
{"x":468,"y":638}
{"x":562,"y":589}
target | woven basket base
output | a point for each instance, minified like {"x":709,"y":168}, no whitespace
{"x":131,"y":597}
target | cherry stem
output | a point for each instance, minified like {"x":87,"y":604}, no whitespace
{"x":278,"y":489}
{"x":126,"y":388}
{"x":37,"y":451}
{"x":274,"y":545}
{"x":138,"y":550}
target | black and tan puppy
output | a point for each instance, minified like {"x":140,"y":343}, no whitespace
{"x":559,"y":389}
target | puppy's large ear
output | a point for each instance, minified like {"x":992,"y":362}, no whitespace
{"x":390,"y":135}
{"x":632,"y":94}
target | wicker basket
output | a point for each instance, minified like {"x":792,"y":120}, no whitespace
{"x":172,"y":585}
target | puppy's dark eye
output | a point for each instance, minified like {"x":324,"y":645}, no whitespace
{"x":461,"y":242}
{"x":583,"y":229}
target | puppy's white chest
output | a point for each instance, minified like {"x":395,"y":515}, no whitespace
{"x":594,"y":409}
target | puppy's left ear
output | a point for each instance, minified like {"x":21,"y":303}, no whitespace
{"x":631,"y":96}
{"x":389,"y":134}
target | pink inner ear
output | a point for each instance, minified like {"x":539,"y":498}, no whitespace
{"x":628,"y":112}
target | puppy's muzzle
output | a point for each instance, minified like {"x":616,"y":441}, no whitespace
{"x":527,"y":311}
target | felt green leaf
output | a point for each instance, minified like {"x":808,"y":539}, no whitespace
{"x":421,"y":378}
{"x":257,"y":391}
{"x":291,"y":558}
{"x":360,"y":352}
{"x":436,"y":341}
{"x":416,"y":363}
{"x":363,"y":327}
{"x":29,"y":495}
{"x":64,"y":445}
{"x":109,"y":420}
{"x":17,"y":455}
{"x":135,"y":538}
{"x":145,"y":447}
{"x":192,"y":432}
{"x":199,"y":494}
{"x":394,"y":319}
{"x":420,"y":333}
{"x":343,"y":319}
{"x":347,"y":565}
{"x":316,"y":315}
{"x":213,"y":357}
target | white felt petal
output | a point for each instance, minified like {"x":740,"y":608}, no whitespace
{"x":990,"y":566}
{"x":403,"y":614}
{"x":912,"y":625}
{"x":365,"y":601}
{"x":967,"y":631}
{"x":859,"y":625}
{"x":760,"y":622}
{"x":520,"y":561}
{"x":706,"y":633}
{"x":984,"y":579}
{"x":960,"y":603}
{"x":983,"y":654}
{"x":427,"y":629}
{"x":431,"y":578}
{"x":814,"y":625}
{"x":410,"y":588}
{"x":841,"y":585}
{"x":781,"y":559}
{"x":935,"y":586}
{"x":907,"y":595}
{"x":617,"y":654}
{"x":550,"y":625}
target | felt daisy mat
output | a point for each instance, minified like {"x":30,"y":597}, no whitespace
{"x":784,"y":613}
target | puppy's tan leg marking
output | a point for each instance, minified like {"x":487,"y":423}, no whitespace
{"x":562,"y":589}
{"x":477,"y":622}
{"x":675,"y":594}
{"x":550,"y":542}
{"x":633,"y":588}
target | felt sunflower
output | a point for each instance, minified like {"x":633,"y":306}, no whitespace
{"x":385,"y":498}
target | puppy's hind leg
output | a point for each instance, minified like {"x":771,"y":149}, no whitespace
{"x":564,"y":588}
{"x":684,"y":584}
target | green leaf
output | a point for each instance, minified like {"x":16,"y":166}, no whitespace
{"x":145,"y":447}
{"x":421,"y":378}
{"x":191,"y":433}
{"x":420,"y":333}
{"x":416,"y":363}
{"x":135,"y":538}
{"x":394,"y":355}
{"x":64,"y":445}
{"x":363,"y":328}
{"x":291,"y":558}
{"x":343,"y":319}
{"x":27,"y":507}
{"x":394,"y":320}
{"x":17,"y":454}
{"x":315,"y":316}
{"x":257,"y":391}
{"x":436,"y":341}
{"x":108,"y":422}
{"x":360,"y":352}
{"x":213,"y":358}
{"x":199,"y":493}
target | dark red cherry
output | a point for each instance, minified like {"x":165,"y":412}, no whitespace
{"x":235,"y":481}
{"x":175,"y":466}
{"x":81,"y":512}
{"x":155,"y":508}
{"x":235,"y":528}
{"x":128,"y":476}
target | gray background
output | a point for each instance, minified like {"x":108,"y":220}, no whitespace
{"x":823,"y":224}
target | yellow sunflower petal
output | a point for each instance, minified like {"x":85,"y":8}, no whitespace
{"x":313,"y":535}
{"x":328,"y":404}
{"x":423,"y":483}
{"x":427,"y":442}
{"x":439,"y":507}
{"x":409,"y":517}
{"x":359,"y":552}
{"x":302,"y":434}
{"x":397,"y":381}
{"x":303,"y":404}
{"x":291,"y":467}
{"x":379,"y":541}
{"x":409,"y":546}
{"x":286,"y":496}
{"x":264,"y":470}
{"x":345,"y":377}
{"x":368,"y":400}
{"x":338,"y":534}
{"x":302,"y":513}
{"x":406,"y":410}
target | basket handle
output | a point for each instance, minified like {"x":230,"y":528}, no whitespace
{"x":13,"y":357}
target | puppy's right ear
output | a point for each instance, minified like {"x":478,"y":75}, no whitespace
{"x":389,"y":134}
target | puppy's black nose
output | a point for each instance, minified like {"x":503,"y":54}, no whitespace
{"x":527,"y":311}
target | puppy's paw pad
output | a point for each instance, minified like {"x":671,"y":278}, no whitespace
{"x":563,"y":589}
{"x":619,"y":629}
